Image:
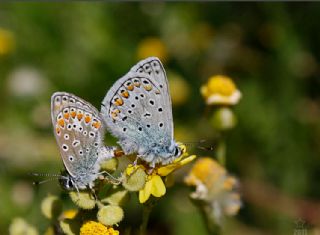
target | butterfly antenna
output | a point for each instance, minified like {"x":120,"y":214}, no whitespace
{"x":43,"y":181}
{"x":52,"y":177}
{"x":45,"y":174}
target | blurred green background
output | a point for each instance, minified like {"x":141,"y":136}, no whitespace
{"x":270,"y":50}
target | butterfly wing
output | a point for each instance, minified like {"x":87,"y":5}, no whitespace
{"x":79,"y":134}
{"x":153,"y":68}
{"x":137,"y":110}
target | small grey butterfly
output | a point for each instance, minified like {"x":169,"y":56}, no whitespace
{"x":79,"y":133}
{"x":137,"y":110}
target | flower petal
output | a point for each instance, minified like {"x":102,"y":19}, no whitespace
{"x":166,"y":170}
{"x":158,"y":188}
{"x":145,"y":193}
{"x":187,"y":160}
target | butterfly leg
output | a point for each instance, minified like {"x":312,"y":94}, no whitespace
{"x":114,"y":180}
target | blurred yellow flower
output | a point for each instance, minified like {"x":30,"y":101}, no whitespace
{"x":179,"y":89}
{"x":152,"y":46}
{"x":6,"y":42}
{"x":220,"y":90}
{"x":154,"y":184}
{"x":95,"y":228}
{"x":215,"y":187}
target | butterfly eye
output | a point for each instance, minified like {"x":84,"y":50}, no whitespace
{"x":70,"y":184}
{"x":177,"y":152}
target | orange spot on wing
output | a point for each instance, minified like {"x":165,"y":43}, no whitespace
{"x":66,"y":115}
{"x":79,"y":116}
{"x":87,"y":119}
{"x":73,"y":114}
{"x":61,"y":122}
{"x":130,"y":87}
{"x":58,"y":130}
{"x":96,"y":125}
{"x":114,"y":113}
{"x":125,"y":94}
{"x":118,"y":102}
{"x":148,"y":87}
{"x":137,"y":84}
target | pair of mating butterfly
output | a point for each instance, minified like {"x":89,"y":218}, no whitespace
{"x":136,"y":110}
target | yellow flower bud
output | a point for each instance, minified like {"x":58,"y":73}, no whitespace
{"x":20,"y":227}
{"x":117,"y":197}
{"x":134,"y":181}
{"x":109,"y":165}
{"x":84,"y":200}
{"x":110,"y":215}
{"x":70,"y":226}
{"x":51,"y":207}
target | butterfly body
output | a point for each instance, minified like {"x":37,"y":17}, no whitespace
{"x":137,"y":110}
{"x":79,"y":134}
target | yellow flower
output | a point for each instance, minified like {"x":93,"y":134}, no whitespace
{"x":6,"y":42}
{"x":95,"y":228}
{"x":220,"y":90}
{"x":154,"y":184}
{"x":152,"y":47}
{"x":215,"y":187}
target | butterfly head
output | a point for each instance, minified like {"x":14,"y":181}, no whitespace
{"x":67,"y":182}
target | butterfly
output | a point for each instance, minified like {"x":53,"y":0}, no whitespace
{"x":79,"y":133}
{"x":137,"y":110}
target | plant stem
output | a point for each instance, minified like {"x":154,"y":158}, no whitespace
{"x":221,"y":151}
{"x":147,"y":208}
